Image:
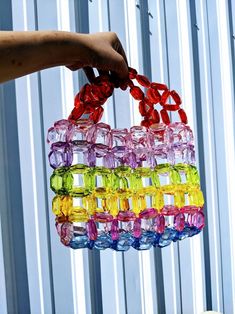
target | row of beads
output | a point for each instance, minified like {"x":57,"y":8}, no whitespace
{"x":120,"y":239}
{"x":92,"y":96}
{"x":126,"y":207}
{"x":81,"y":180}
{"x":136,"y":138}
{"x":67,"y":154}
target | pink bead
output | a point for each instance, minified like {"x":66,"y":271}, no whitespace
{"x":137,"y":228}
{"x":169,"y":210}
{"x":91,"y":230}
{"x":100,"y":133}
{"x":148,"y":213}
{"x":159,"y":224}
{"x":126,"y":216}
{"x":65,"y":231}
{"x":119,"y":137}
{"x":103,"y":217}
{"x":138,"y":138}
{"x":198,"y":220}
{"x":189,"y":209}
{"x":114,"y":230}
{"x":179,"y":222}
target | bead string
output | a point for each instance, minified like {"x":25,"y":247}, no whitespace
{"x":91,"y":98}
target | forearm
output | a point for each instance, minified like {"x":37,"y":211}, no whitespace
{"x":22,"y":53}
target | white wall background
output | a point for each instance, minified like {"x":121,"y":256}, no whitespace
{"x":188,"y":44}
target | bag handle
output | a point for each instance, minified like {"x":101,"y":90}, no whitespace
{"x":92,"y":97}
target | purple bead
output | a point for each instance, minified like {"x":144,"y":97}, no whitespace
{"x":108,"y":160}
{"x":80,"y":152}
{"x":148,"y":213}
{"x":159,"y":223}
{"x":91,"y":230}
{"x":114,"y":230}
{"x":130,"y":160}
{"x":137,"y":228}
{"x":60,"y":155}
{"x":91,"y":157}
{"x":198,"y":220}
{"x":126,"y":216}
{"x":179,"y":222}
{"x":119,"y":153}
{"x":100,"y":150}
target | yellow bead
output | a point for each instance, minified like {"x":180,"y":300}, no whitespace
{"x":193,"y":176}
{"x":124,"y":204}
{"x":196,"y":198}
{"x":78,"y":214}
{"x":62,"y":205}
{"x":112,"y":204}
{"x":158,"y":200}
{"x":179,"y":199}
{"x":89,"y":203}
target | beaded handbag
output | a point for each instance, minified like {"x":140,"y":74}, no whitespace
{"x":120,"y":188}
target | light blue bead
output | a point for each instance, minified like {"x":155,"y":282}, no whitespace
{"x":145,"y":241}
{"x":103,"y":241}
{"x":123,"y":243}
{"x":79,"y":242}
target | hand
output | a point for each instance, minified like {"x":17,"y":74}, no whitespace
{"x":104,"y":52}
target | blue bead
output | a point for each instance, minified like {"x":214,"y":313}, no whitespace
{"x":79,"y":242}
{"x":145,"y":241}
{"x":103,"y":242}
{"x":123,"y":243}
{"x":167,"y":237}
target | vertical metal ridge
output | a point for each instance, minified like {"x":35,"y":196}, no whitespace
{"x":43,"y":137}
{"x":11,"y":210}
{"x":196,"y":68}
{"x":82,"y":26}
{"x":145,"y":38}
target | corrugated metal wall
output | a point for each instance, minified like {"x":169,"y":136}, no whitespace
{"x":190,"y":46}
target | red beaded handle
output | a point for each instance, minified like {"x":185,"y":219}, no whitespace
{"x":92,"y":96}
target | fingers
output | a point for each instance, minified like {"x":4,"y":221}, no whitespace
{"x":89,"y":74}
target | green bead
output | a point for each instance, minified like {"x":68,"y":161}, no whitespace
{"x":174,"y":176}
{"x":57,"y":181}
{"x":193,"y":176}
{"x":163,"y":168}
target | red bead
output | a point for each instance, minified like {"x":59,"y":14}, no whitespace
{"x":132,"y":73}
{"x":165,"y":116}
{"x":171,"y":107}
{"x":183,"y":116}
{"x":159,"y":86}
{"x":130,"y":83}
{"x":153,"y":95}
{"x":155,"y":116}
{"x":137,"y":93}
{"x":97,"y":114}
{"x":145,"y":123}
{"x":142,"y":80}
{"x":77,"y":112}
{"x":176,"y":97}
{"x":142,"y":108}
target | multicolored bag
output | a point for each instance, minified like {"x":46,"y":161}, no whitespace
{"x":120,"y":188}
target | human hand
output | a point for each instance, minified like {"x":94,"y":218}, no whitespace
{"x":104,"y":52}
